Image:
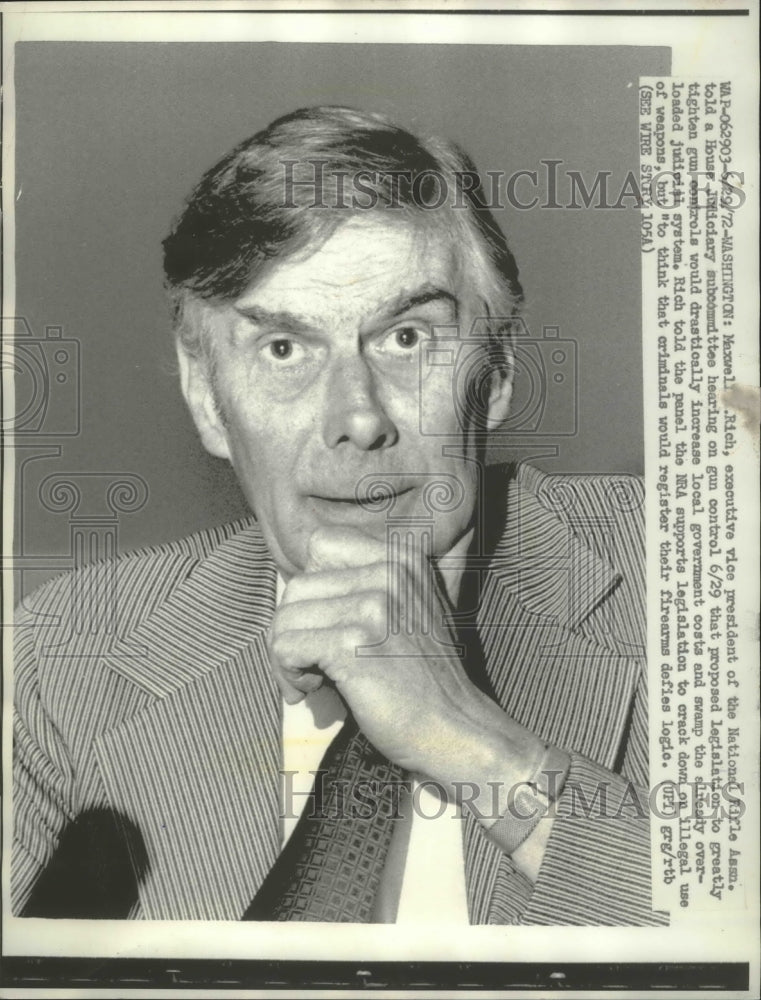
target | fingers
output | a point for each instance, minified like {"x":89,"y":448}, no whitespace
{"x":342,"y":548}
{"x":334,"y":652}
{"x":321,"y":599}
{"x":291,"y":694}
{"x":333,"y":583}
{"x":295,"y":682}
{"x":338,"y":550}
{"x":327,"y":596}
{"x":306,"y":635}
{"x":295,"y":685}
{"x":352,"y":593}
{"x":366,"y":608}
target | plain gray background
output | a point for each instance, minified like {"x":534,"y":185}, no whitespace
{"x":112,"y":136}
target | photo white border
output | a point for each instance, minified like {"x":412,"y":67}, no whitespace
{"x":715,"y":47}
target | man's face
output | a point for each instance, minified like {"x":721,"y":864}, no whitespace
{"x":320,"y":389}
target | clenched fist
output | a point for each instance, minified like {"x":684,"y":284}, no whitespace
{"x":373,"y":620}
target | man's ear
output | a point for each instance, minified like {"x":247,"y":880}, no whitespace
{"x":195,"y":380}
{"x":500,"y":394}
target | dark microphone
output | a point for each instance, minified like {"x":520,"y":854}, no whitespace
{"x":94,"y":872}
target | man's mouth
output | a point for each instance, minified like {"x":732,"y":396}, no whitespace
{"x":371,"y":500}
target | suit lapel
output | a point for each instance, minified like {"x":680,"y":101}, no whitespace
{"x":197,"y":771}
{"x":544,"y":592}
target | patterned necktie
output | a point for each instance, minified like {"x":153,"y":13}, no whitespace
{"x":330,"y":869}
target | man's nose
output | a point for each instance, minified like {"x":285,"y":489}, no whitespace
{"x":354,"y":412}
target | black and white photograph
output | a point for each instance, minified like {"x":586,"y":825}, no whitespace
{"x":380,"y":504}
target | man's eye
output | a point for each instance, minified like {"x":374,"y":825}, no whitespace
{"x":281,"y":349}
{"x":402,"y":340}
{"x":407,"y":336}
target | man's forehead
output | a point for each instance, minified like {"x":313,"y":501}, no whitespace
{"x":367,"y":265}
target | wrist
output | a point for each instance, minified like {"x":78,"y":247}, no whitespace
{"x":488,"y":758}
{"x":529,"y":802}
{"x":514,"y":778}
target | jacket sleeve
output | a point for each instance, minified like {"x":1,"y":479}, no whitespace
{"x":596,"y":866}
{"x":43,"y":797}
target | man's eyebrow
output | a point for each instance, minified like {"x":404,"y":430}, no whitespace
{"x":428,"y":293}
{"x":279,"y":319}
{"x":282,"y":319}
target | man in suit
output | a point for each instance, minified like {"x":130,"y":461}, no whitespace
{"x":467,"y":645}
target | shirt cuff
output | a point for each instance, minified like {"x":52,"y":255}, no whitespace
{"x":528,"y":801}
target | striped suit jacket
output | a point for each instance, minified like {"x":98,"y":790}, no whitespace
{"x":143,"y":684}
